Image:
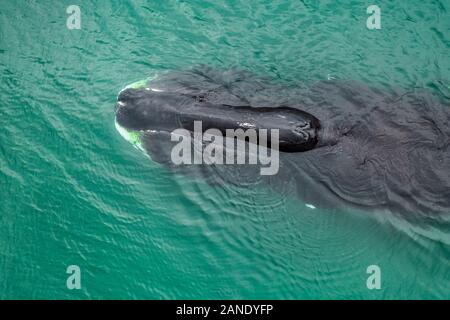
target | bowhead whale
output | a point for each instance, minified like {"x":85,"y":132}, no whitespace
{"x":341,"y":143}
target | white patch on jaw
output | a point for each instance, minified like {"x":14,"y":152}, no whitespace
{"x":124,"y":133}
{"x":310,"y":206}
{"x":246,"y":125}
{"x":120,"y":103}
{"x":151,"y":78}
{"x":154,"y":90}
{"x":127,"y":136}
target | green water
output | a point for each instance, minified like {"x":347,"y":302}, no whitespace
{"x":74,"y":192}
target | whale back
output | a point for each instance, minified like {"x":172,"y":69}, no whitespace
{"x":378,"y":150}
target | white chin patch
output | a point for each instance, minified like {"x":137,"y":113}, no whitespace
{"x":123,"y":132}
{"x":130,"y":136}
{"x":142,"y":84}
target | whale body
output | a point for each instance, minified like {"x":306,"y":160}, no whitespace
{"x":342,"y":143}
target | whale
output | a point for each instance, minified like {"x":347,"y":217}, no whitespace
{"x":341,"y":143}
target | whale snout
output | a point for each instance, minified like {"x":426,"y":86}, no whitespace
{"x":133,"y":111}
{"x":126,"y":95}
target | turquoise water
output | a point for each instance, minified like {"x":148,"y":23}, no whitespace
{"x":73,"y":192}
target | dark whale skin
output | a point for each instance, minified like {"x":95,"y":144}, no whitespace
{"x":379,"y":150}
{"x":141,"y":109}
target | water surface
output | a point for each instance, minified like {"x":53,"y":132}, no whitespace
{"x":74,"y":192}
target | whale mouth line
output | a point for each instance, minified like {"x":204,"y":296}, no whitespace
{"x":143,"y":107}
